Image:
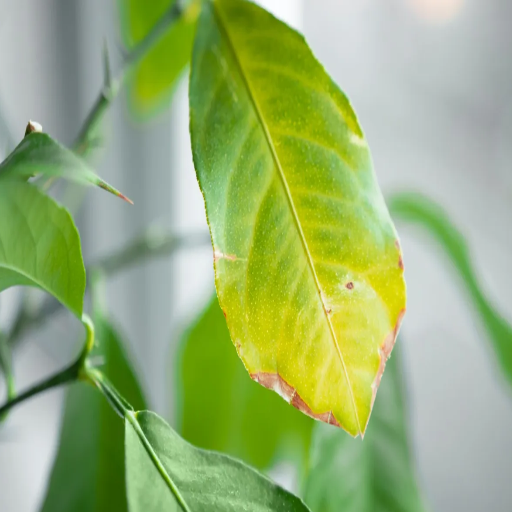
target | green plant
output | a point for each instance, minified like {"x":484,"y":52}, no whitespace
{"x":309,"y":277}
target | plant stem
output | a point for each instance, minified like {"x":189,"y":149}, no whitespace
{"x":6,"y":364}
{"x":69,"y":374}
{"x":111,"y":87}
{"x":7,"y":142}
{"x":74,"y":371}
{"x":152,"y":242}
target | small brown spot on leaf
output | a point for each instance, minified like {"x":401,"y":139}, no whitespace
{"x":224,"y":313}
{"x":400,"y":260}
{"x":349,"y":285}
{"x":219,"y":255}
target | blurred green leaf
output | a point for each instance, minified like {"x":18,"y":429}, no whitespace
{"x":39,"y":245}
{"x":244,"y":419}
{"x":307,"y":262}
{"x":418,"y":209}
{"x":39,"y":154}
{"x":88,"y":472}
{"x":373,"y":475}
{"x":153,"y":80}
{"x":166,"y":471}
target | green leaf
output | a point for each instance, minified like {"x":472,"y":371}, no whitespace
{"x":88,"y":472}
{"x":244,"y":419}
{"x":154,"y":79}
{"x":307,"y":261}
{"x":167,"y":473}
{"x":39,"y":245}
{"x":374,"y":475}
{"x":418,"y":209}
{"x":39,"y":154}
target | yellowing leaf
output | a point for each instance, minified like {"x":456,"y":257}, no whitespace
{"x":308,"y":266}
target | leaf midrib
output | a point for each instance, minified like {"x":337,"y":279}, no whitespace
{"x":223,"y":28}
{"x":132,"y":418}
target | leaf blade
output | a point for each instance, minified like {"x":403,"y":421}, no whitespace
{"x":272,"y":137}
{"x":205,"y":480}
{"x":38,"y":153}
{"x":40,"y":245}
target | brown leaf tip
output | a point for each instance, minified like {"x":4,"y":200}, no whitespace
{"x":112,"y":190}
{"x":276,"y":383}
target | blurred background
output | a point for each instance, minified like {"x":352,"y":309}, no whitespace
{"x":431,"y":81}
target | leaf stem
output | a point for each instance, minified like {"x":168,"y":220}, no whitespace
{"x":125,"y":410}
{"x":120,"y":405}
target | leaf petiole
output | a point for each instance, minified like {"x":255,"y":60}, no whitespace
{"x":120,"y":405}
{"x":125,"y":410}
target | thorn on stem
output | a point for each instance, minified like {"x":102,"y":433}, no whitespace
{"x":33,"y":127}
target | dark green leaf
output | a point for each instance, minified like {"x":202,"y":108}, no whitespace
{"x":373,"y":475}
{"x":88,"y":472}
{"x":154,"y":79}
{"x":308,"y":266}
{"x":168,"y":467}
{"x":420,"y":210}
{"x":244,"y":419}
{"x":39,"y":154}
{"x":39,"y":245}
